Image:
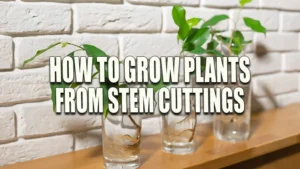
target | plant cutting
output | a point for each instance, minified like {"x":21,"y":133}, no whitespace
{"x":121,"y":134}
{"x":199,"y":37}
{"x":195,"y":33}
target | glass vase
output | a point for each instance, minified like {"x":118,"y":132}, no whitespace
{"x":121,"y":136}
{"x":178,"y":131}
{"x":234,"y":127}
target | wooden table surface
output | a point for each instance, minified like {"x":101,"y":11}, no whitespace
{"x":270,"y":131}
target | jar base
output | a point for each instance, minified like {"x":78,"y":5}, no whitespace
{"x":113,"y":164}
{"x":179,"y":148}
{"x":131,"y":165}
{"x":231,"y":136}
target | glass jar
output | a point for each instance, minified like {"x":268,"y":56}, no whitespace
{"x":234,"y":127}
{"x":121,"y":136}
{"x":178,"y":131}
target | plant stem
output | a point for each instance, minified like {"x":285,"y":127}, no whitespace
{"x":76,"y":45}
{"x":234,"y":29}
{"x":138,"y":127}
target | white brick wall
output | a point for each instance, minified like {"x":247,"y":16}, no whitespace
{"x":278,"y":42}
{"x":29,"y":128}
{"x":150,"y":45}
{"x":290,"y":21}
{"x":270,"y":85}
{"x":117,"y":18}
{"x":24,"y":150}
{"x":34,"y":18}
{"x":87,"y":139}
{"x":24,"y":86}
{"x":281,"y":4}
{"x":6,"y":53}
{"x":49,"y":122}
{"x":291,"y":61}
{"x":7,"y":125}
{"x":270,"y":63}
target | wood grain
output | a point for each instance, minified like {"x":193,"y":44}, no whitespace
{"x":270,"y":131}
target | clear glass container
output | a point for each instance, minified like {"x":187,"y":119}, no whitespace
{"x":178,"y":132}
{"x":234,"y":127}
{"x":121,"y":136}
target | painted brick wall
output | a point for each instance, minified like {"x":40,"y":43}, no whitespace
{"x":29,"y":129}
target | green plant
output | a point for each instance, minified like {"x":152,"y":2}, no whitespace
{"x":196,"y":32}
{"x":94,"y":52}
{"x":91,"y":51}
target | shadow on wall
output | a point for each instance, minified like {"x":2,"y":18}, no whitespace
{"x":256,"y":106}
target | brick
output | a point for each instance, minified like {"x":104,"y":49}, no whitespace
{"x":49,"y":122}
{"x":277,"y":41}
{"x":289,"y":21}
{"x":88,"y":139}
{"x":287,"y":99}
{"x":268,"y":18}
{"x":280,"y":4}
{"x":291,"y":61}
{"x":25,"y":150}
{"x":165,"y":2}
{"x":117,"y":18}
{"x":268,"y":85}
{"x":20,"y":18}
{"x":26,"y":47}
{"x":7,"y":125}
{"x":150,"y":45}
{"x":204,"y":13}
{"x":268,"y":63}
{"x":24,"y":86}
{"x":6,"y":53}
{"x":227,"y":3}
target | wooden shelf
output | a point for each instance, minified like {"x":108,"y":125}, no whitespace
{"x":272,"y":130}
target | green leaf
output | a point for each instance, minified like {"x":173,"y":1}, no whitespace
{"x":104,"y":87}
{"x":193,"y":22}
{"x":212,"y":48}
{"x":255,"y":25}
{"x":237,"y":42}
{"x":39,"y":52}
{"x":244,"y":2}
{"x":196,"y":39}
{"x":178,"y":14}
{"x":223,"y":39}
{"x":247,"y":41}
{"x":214,"y":20}
{"x":157,"y":86}
{"x":94,"y":52}
{"x":216,"y":31}
{"x":198,"y":51}
{"x":215,"y":53}
{"x":212,"y":45}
